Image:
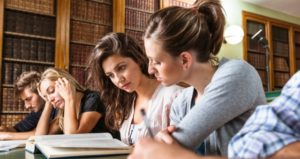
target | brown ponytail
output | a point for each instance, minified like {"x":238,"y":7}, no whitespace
{"x":179,"y":29}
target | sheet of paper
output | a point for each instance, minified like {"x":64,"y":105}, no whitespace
{"x":8,"y":145}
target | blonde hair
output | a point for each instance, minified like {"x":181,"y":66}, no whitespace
{"x":53,"y":74}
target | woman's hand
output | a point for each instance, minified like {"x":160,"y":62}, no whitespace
{"x":65,"y":89}
{"x":166,"y":135}
{"x":147,"y":148}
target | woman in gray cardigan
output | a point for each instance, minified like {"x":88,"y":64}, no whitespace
{"x":182,"y":44}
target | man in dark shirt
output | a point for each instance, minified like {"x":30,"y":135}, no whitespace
{"x":26,"y":88}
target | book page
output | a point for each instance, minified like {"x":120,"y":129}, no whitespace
{"x":8,"y":145}
{"x":73,"y":136}
{"x":86,"y":143}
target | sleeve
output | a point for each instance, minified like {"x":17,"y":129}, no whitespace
{"x":232,"y":92}
{"x":93,"y":103}
{"x":179,"y":108}
{"x":270,"y":127}
{"x":29,"y":123}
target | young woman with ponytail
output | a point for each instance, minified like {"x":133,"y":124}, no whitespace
{"x":182,"y":45}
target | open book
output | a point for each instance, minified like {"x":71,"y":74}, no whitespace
{"x":11,"y":144}
{"x":77,"y":145}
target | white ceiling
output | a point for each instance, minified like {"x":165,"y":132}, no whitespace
{"x":290,"y":7}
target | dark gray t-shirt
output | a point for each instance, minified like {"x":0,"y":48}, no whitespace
{"x":227,"y":102}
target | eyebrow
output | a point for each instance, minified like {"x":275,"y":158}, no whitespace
{"x":118,"y":65}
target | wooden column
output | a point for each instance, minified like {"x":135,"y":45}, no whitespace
{"x":62,"y":44}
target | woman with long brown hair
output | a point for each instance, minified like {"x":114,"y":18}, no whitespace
{"x":119,"y":69}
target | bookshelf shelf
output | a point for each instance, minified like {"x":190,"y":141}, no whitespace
{"x":90,"y":21}
{"x":16,"y":112}
{"x":28,"y":61}
{"x":83,"y":43}
{"x":280,"y":40}
{"x":256,"y":52}
{"x":30,"y":11}
{"x":78,"y":65}
{"x":139,"y":10}
{"x":107,"y":2}
{"x":8,"y":85}
{"x":281,"y":55}
{"x":282,"y":71}
{"x":134,"y":29}
{"x":29,"y":36}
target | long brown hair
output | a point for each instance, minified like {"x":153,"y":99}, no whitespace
{"x":118,"y":102}
{"x":179,"y":29}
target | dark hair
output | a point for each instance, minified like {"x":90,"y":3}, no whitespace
{"x":179,"y":29}
{"x":118,"y":102}
{"x":27,"y":79}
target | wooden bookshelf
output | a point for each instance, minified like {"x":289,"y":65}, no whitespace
{"x":90,"y":21}
{"x":37,"y":34}
{"x":283,"y":48}
{"x":28,"y":43}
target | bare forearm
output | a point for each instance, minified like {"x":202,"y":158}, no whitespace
{"x":289,"y":151}
{"x":70,"y":118}
{"x":16,"y":135}
{"x":43,"y":124}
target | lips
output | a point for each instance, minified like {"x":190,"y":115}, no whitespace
{"x":125,"y":86}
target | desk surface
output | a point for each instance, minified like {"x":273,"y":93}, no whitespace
{"x":20,"y":153}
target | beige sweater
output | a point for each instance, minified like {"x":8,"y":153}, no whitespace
{"x":157,"y":114}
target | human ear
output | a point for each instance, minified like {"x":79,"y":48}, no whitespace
{"x":186,"y":59}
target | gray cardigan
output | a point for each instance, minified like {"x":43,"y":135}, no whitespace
{"x":227,"y":102}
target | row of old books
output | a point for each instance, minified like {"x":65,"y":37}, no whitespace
{"x":28,"y":23}
{"x":11,"y":103}
{"x":29,"y":49}
{"x":179,"y":3}
{"x":39,"y":6}
{"x":87,"y":32}
{"x":297,"y":37}
{"x":92,"y":11}
{"x":280,"y":48}
{"x":137,"y":35}
{"x":8,"y":120}
{"x":12,"y":70}
{"x":80,"y":74}
{"x":297,"y":51}
{"x":254,"y":46}
{"x":145,"y":5}
{"x":254,"y":27}
{"x":262,"y":75}
{"x":80,"y":53}
{"x":281,"y":64}
{"x":280,"y":34}
{"x":136,"y":19}
{"x":281,"y":78}
{"x":257,"y":60}
{"x":297,"y":64}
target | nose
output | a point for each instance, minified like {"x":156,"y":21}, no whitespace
{"x":120,"y":79}
{"x":28,"y":105}
{"x":51,"y":98}
{"x":151,"y":69}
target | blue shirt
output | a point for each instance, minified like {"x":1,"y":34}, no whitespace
{"x":271,"y":126}
{"x":31,"y":120}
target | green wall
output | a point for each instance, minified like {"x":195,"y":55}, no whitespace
{"x":233,"y":9}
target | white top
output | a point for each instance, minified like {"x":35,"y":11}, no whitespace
{"x":157,"y":114}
